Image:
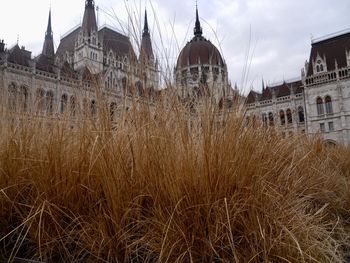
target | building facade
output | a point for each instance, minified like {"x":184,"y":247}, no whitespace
{"x":317,"y":103}
{"x":86,"y":58}
{"x":280,"y":105}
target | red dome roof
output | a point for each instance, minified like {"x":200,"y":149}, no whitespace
{"x":199,"y":51}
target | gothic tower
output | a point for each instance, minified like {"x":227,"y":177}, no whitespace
{"x":88,"y":50}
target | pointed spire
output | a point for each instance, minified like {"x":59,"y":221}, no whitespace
{"x":89,"y":20}
{"x":48,"y":47}
{"x":145,"y":27}
{"x":263,"y":84}
{"x":197,"y":29}
{"x":49,"y":27}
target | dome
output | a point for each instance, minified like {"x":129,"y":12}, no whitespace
{"x":199,"y":51}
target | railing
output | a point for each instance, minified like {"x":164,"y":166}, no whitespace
{"x":328,"y":77}
{"x":19,"y":67}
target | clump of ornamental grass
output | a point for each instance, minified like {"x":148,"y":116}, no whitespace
{"x":168,"y":182}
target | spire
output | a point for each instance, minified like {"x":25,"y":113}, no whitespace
{"x":146,"y":53}
{"x":197,"y":29}
{"x":145,"y":28}
{"x":263,"y":84}
{"x":89,"y":20}
{"x":48,"y":47}
{"x":49,"y":28}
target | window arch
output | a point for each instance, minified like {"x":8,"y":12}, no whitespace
{"x":271,"y":119}
{"x":24,"y":97}
{"x":12,"y":97}
{"x":64,"y":102}
{"x":49,"y":102}
{"x":289,"y":116}
{"x":319,"y":103}
{"x":282,"y":117}
{"x":328,"y":104}
{"x":301,"y":114}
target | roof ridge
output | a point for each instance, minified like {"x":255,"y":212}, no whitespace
{"x":330,"y":36}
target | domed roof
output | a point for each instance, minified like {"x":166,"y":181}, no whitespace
{"x":199,"y":50}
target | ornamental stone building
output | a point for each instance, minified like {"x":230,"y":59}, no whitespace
{"x":201,"y":70}
{"x":317,"y":103}
{"x":87,"y":55}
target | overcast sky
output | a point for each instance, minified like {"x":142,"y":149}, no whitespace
{"x":277,"y":34}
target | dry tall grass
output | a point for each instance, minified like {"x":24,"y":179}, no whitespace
{"x":167,"y":185}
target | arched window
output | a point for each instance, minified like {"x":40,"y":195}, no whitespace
{"x":319,"y":103}
{"x":282,"y":117}
{"x":40,"y":99}
{"x":12,"y":97}
{"x":289,"y":116}
{"x":73,"y":106}
{"x":321,"y":67}
{"x":112,"y":110}
{"x":328,"y":104}
{"x":49,"y":102}
{"x":64,"y":101}
{"x":301,"y":114}
{"x":271,"y":119}
{"x":317,"y":68}
{"x":24,"y":98}
{"x":93,"y":108}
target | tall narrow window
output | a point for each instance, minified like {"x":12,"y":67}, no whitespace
{"x":319,"y":103}
{"x":289,"y":116}
{"x":271,"y":119}
{"x":93,"y":108}
{"x":282,"y":117}
{"x":124,"y":85}
{"x":12,"y":97}
{"x":73,"y":106}
{"x":64,"y":101}
{"x":301,"y":114}
{"x":40,"y":100}
{"x":49,"y":102}
{"x":329,"y":106}
{"x":85,"y":107}
{"x":331,"y":126}
{"x":23,"y":99}
{"x":264,"y":119}
{"x":112,"y":111}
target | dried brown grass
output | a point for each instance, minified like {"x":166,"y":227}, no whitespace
{"x":166,"y":185}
